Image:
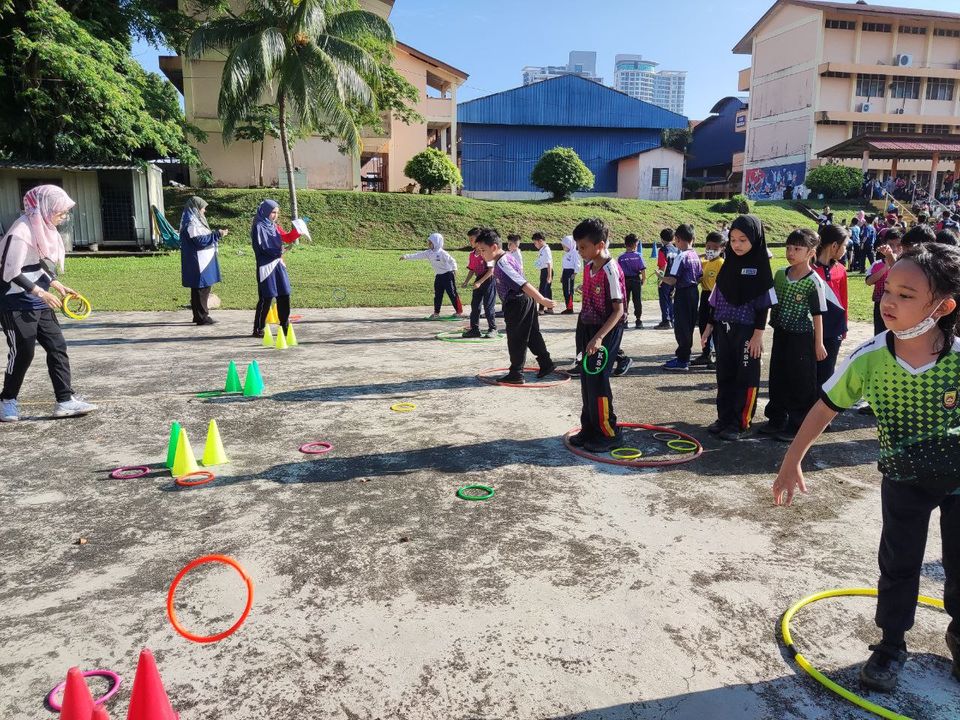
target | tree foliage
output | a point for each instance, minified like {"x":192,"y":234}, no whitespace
{"x":433,"y":170}
{"x":834,"y":181}
{"x":677,"y":138}
{"x":560,"y":171}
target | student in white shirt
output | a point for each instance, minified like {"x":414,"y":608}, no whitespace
{"x":445,"y":268}
{"x":544,"y":264}
{"x":571,"y":264}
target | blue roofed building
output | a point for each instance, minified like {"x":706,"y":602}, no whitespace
{"x":715,"y":157}
{"x":503,"y":135}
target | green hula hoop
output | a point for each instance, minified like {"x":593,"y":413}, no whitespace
{"x":606,"y":358}
{"x":443,"y":318}
{"x":626,"y":453}
{"x":462,"y":492}
{"x":682,"y":446}
{"x":453,"y":336}
{"x":819,"y":676}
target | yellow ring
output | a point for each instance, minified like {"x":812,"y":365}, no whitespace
{"x":626,"y":453}
{"x":403,"y":407}
{"x":819,"y":676}
{"x":84,"y":314}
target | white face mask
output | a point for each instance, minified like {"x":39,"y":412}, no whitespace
{"x":712,"y":254}
{"x":921,"y":328}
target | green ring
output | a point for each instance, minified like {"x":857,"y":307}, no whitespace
{"x":448,"y":318}
{"x":685,"y":445}
{"x":670,"y":436}
{"x":606,"y":359}
{"x":633,"y":453}
{"x":453,"y":336}
{"x":489,"y":490}
{"x":212,"y":394}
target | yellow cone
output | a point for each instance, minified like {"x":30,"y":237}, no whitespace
{"x":272,"y":317}
{"x":185,"y":461}
{"x":267,"y":337}
{"x":281,"y":340}
{"x":213,"y":452}
{"x":291,"y":336}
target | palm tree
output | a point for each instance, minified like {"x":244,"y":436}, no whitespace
{"x":308,"y":56}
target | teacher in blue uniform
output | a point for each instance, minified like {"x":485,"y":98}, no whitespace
{"x":269,"y":243}
{"x":198,"y":257}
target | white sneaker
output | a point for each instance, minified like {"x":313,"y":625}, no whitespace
{"x":73,"y":407}
{"x":9,"y":411}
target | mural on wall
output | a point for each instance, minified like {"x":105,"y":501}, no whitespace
{"x":769,"y":183}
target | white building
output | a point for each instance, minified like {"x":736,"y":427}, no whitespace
{"x":580,"y":62}
{"x":639,"y":78}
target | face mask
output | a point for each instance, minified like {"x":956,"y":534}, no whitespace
{"x":921,"y":328}
{"x":712,"y":254}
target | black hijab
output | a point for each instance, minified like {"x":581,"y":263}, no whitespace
{"x":743,"y":278}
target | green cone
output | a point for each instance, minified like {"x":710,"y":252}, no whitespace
{"x":172,"y":443}
{"x":233,"y":379}
{"x":253,"y":383}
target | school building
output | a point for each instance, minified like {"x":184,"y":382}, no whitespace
{"x":715,"y":157}
{"x":503,"y":135}
{"x":319,"y":163}
{"x":830,"y":78}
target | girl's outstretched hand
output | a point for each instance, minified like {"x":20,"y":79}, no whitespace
{"x":789,"y":480}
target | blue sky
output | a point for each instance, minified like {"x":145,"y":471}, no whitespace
{"x":492,"y":40}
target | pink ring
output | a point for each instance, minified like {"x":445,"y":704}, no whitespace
{"x":118,"y":474}
{"x":316,"y":448}
{"x":109,"y":674}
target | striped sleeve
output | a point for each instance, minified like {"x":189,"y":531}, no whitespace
{"x":818,"y":295}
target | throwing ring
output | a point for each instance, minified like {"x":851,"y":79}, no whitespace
{"x":444,"y":319}
{"x":339,"y":295}
{"x":295,"y":318}
{"x":606,"y":358}
{"x":115,"y":682}
{"x":484,"y":377}
{"x":316,"y":448}
{"x":204,"y":475}
{"x":683,"y":446}
{"x":81,"y":307}
{"x":626,"y":453}
{"x":455,"y":336}
{"x":665,"y":436}
{"x":640,"y":462}
{"x":462,"y":492}
{"x":233,"y":628}
{"x":213,"y":394}
{"x":121,"y":472}
{"x":819,"y":676}
{"x":403,"y":407}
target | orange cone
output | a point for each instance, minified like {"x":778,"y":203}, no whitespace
{"x":99,"y":713}
{"x":149,"y":700}
{"x":77,"y":702}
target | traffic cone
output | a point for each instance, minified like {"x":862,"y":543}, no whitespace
{"x":253,"y":382}
{"x":185,"y":462}
{"x":281,"y":340}
{"x":77,"y":702}
{"x":272,"y":317}
{"x":213,"y":452}
{"x":172,"y":443}
{"x":291,"y":336}
{"x":267,"y":337}
{"x":99,"y":713}
{"x":148,"y":700}
{"x":233,"y":379}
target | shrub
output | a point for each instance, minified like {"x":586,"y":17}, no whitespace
{"x":834,"y":181}
{"x":561,"y":172}
{"x":736,"y":204}
{"x":433,"y":170}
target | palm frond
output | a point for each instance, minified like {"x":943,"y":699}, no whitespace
{"x":356,"y":24}
{"x":220,"y":34}
{"x":310,"y":18}
{"x":352,"y":55}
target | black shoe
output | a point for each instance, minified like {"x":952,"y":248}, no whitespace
{"x":865,"y":410}
{"x":711,"y":365}
{"x":492,"y":333}
{"x":603,"y":445}
{"x":579,"y":440}
{"x":700,"y":360}
{"x":576,"y":370}
{"x":207,"y":321}
{"x":733,"y":434}
{"x":665,"y":325}
{"x":787,"y":436}
{"x":257,"y":333}
{"x":953,"y":645}
{"x":511,"y":379}
{"x":568,"y":311}
{"x":773,"y":428}
{"x":544,"y":371}
{"x":621,"y":367}
{"x":882,"y":670}
{"x":715,"y":428}
{"x":471,"y":333}
{"x":638,"y":325}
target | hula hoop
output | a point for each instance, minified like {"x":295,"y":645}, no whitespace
{"x":682,"y":446}
{"x":462,"y":492}
{"x":403,"y":407}
{"x":204,"y":475}
{"x":640,"y":462}
{"x":213,"y":394}
{"x":121,"y":472}
{"x":819,"y":676}
{"x":316,"y":448}
{"x":448,"y":318}
{"x":115,"y":682}
{"x":295,"y":318}
{"x":339,"y":295}
{"x":454,"y":336}
{"x":484,"y":377}
{"x":665,"y":436}
{"x":83,"y":313}
{"x":606,"y":358}
{"x":626,"y":453}
{"x":176,"y":581}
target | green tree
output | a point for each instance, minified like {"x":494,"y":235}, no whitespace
{"x":433,"y":170}
{"x":834,"y":181}
{"x":677,"y":138}
{"x":309,"y":56}
{"x":561,"y":171}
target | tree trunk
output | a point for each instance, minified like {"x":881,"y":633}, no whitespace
{"x":287,"y":159}
{"x":263,"y":144}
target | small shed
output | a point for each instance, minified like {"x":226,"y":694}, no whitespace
{"x":113,"y":201}
{"x":655,"y":174}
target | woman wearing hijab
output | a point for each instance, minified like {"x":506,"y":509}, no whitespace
{"x":739,"y":304}
{"x":199,"y":268}
{"x":31,"y":255}
{"x":268,"y":241}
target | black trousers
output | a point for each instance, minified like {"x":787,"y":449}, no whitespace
{"x":738,"y":375}
{"x":487,"y":297}
{"x":446,"y":283}
{"x":826,"y":367}
{"x":878,"y":325}
{"x":906,"y":518}
{"x":568,"y":279}
{"x":263,"y":307}
{"x":685,"y":303}
{"x":634,"y":288}
{"x":546,"y":288}
{"x":597,"y":419}
{"x":523,"y":332}
{"x":198,"y":303}
{"x":793,"y":378}
{"x":24,"y":329}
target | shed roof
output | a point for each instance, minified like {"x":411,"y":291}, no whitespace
{"x":33,"y":165}
{"x":903,"y":147}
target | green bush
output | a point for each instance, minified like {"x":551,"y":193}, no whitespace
{"x":560,"y":171}
{"x":433,"y":170}
{"x":834,"y":181}
{"x":736,"y":204}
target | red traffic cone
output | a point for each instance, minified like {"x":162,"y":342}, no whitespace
{"x":77,"y":702}
{"x":148,"y":700}
{"x":99,"y":713}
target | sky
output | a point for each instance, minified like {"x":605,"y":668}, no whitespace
{"x":492,"y":40}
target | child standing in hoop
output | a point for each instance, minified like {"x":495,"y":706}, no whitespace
{"x":571,"y":265}
{"x":445,"y":267}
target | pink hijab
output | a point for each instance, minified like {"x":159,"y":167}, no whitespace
{"x":39,"y":206}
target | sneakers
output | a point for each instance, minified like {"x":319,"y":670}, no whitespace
{"x":576,"y":370}
{"x":638,"y":325}
{"x":787,"y":435}
{"x":73,"y":407}
{"x":700,"y":360}
{"x":206,"y":321}
{"x":257,"y":333}
{"x":491,"y":333}
{"x":622,"y":366}
{"x":568,"y":311}
{"x":511,"y":379}
{"x":9,"y":411}
{"x":733,"y":434}
{"x":773,"y":428}
{"x":715,"y":428}
{"x":603,"y":445}
{"x":882,"y":670}
{"x":953,"y":645}
{"x":676,"y":365}
{"x":471,"y":333}
{"x":579,"y":440}
{"x":665,"y":325}
{"x":544,"y":371}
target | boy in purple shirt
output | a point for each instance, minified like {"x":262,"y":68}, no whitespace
{"x":635,"y":275}
{"x":683,"y":273}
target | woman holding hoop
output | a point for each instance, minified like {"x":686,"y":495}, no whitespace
{"x":269,"y":243}
{"x":199,"y":268}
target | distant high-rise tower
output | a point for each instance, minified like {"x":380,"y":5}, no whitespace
{"x":639,"y":78}
{"x":580,"y":62}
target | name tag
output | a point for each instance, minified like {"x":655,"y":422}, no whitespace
{"x":748,"y":271}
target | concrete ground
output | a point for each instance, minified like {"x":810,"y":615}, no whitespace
{"x":581,"y":590}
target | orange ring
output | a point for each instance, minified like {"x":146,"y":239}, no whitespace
{"x":176,"y":581}
{"x":205,"y":475}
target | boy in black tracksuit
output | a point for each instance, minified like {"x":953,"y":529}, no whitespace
{"x":684,"y":272}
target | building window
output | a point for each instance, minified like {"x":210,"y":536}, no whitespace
{"x":905,"y":87}
{"x":946,"y":32}
{"x":661,"y":178}
{"x":870,"y":86}
{"x":834,"y":74}
{"x":866,"y":128}
{"x":841,"y":25}
{"x":912,"y":30}
{"x":939,"y":89}
{"x":876,"y":27}
{"x":901,"y":128}
{"x":935,"y":129}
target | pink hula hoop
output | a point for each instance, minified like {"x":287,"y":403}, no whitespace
{"x":316,"y":448}
{"x":115,"y":679}
{"x":119,"y":473}
{"x":639,"y":462}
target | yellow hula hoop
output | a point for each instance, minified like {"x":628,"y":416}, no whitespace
{"x":84,"y":303}
{"x":819,"y":676}
{"x":403,"y":407}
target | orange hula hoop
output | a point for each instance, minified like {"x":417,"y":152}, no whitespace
{"x":176,"y":581}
